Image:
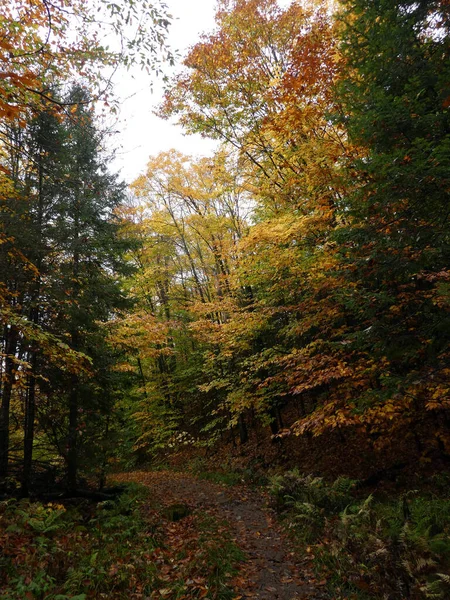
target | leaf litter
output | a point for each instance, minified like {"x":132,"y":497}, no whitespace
{"x":268,"y":568}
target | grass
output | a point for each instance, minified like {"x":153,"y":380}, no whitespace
{"x":225,"y":477}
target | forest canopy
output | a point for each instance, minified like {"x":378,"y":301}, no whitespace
{"x":292,"y":287}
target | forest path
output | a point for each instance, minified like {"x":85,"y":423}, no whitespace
{"x":270,"y":570}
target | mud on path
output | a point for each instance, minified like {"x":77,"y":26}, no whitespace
{"x":270,"y":570}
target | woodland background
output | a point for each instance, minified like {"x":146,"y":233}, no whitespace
{"x":295,"y":284}
{"x":281,"y":304}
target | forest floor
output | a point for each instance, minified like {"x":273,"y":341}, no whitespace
{"x":173,"y":535}
{"x":269,"y":567}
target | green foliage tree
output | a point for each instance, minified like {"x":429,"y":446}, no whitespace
{"x":86,"y":286}
{"x":69,"y":266}
{"x":42,"y":46}
{"x":395,"y":246}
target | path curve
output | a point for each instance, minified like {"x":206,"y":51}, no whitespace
{"x":271,"y":569}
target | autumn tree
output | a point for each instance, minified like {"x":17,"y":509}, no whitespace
{"x":341,"y":125}
{"x":365,"y":347}
{"x":263,"y":83}
{"x":190,"y":215}
{"x":43,"y":43}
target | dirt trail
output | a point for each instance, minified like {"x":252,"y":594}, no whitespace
{"x":270,"y":571}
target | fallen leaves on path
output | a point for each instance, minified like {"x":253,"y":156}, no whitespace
{"x":218,"y":515}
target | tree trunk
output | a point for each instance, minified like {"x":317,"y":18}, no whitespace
{"x":273,"y":421}
{"x":243,"y":433}
{"x":72,"y":454}
{"x":30,"y":398}
{"x":28,"y":440}
{"x":6,"y":390}
{"x":102,"y":477}
{"x":72,"y":450}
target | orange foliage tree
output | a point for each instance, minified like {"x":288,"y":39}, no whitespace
{"x":263,"y":83}
{"x":43,"y":43}
{"x":345,"y":266}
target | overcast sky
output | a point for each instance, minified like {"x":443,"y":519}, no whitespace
{"x":142,"y":134}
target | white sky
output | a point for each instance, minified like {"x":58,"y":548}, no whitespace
{"x":142,"y":134}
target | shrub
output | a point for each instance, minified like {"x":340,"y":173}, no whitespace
{"x":393,"y":550}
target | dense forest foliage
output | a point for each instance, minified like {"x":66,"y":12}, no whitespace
{"x":275,"y":314}
{"x":297,"y":281}
{"x":291,"y":288}
{"x":61,"y":257}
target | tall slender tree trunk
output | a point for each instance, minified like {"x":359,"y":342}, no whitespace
{"x":28,"y":440}
{"x":141,"y":372}
{"x":242,"y":427}
{"x":182,"y":234}
{"x":103,"y":472}
{"x":11,"y":336}
{"x":30,"y":397}
{"x":72,"y":439}
{"x":72,"y":451}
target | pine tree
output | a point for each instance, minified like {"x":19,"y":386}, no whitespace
{"x":61,"y":281}
{"x":85,"y":282}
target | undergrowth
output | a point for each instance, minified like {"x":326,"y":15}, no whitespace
{"x":118,"y":550}
{"x":220,"y":554}
{"x":226,"y":474}
{"x":368,"y":548}
{"x":75,"y":550}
